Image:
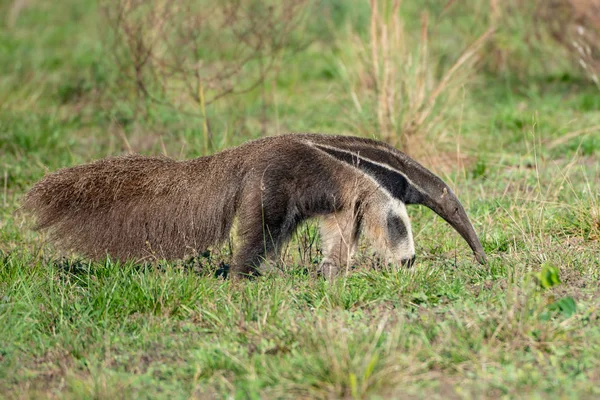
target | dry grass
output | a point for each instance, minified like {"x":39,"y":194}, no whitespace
{"x":542,"y":24}
{"x":575,"y":24}
{"x":396,"y":78}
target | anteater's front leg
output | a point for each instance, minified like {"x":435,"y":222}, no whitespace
{"x":264,"y":227}
{"x":339,"y":236}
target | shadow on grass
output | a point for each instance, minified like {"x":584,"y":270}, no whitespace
{"x":202,"y":265}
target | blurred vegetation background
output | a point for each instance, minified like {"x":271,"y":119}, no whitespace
{"x":87,"y":79}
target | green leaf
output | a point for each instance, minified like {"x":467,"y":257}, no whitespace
{"x":549,"y":276}
{"x":565,"y":306}
{"x":370,"y":367}
{"x":353,"y":385}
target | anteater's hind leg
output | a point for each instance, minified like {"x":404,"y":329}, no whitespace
{"x":339,"y":235}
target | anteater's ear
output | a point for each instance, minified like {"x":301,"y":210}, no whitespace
{"x":406,"y":180}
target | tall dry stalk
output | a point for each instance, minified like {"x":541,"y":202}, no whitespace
{"x":397,"y":77}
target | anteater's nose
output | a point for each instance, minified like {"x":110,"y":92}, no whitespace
{"x":408,"y":262}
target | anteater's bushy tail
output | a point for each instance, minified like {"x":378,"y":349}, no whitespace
{"x":136,"y":206}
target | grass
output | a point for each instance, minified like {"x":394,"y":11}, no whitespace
{"x":520,"y":148}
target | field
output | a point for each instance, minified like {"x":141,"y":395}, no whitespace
{"x":514,"y":129}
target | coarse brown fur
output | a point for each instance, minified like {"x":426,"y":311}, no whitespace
{"x":154,"y":207}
